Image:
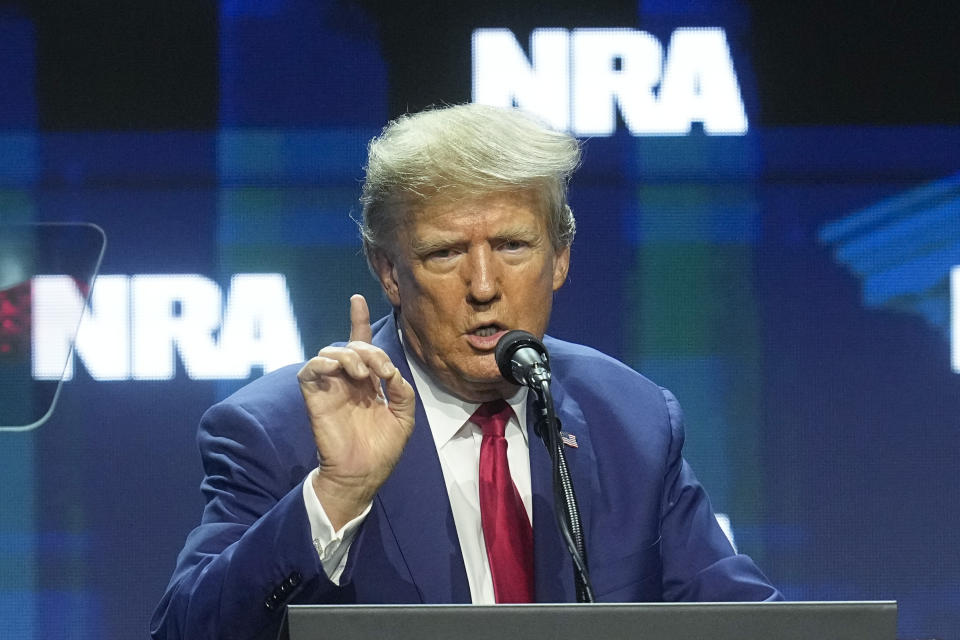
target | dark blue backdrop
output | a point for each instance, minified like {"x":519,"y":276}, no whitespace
{"x":791,"y":285}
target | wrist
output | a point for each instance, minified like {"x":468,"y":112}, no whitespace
{"x":342,"y":499}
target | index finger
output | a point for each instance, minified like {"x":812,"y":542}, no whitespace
{"x":359,"y":319}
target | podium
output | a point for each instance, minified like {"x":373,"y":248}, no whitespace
{"x":659,"y":621}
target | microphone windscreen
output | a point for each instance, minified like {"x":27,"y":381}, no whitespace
{"x":509,"y":344}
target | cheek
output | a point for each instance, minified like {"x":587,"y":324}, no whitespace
{"x":415,"y":292}
{"x":433,"y":304}
{"x":545,"y":282}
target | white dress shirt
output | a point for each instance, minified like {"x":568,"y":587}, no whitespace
{"x":458,"y":446}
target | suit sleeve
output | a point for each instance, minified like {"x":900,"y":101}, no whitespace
{"x":699,"y":563}
{"x":252,"y":553}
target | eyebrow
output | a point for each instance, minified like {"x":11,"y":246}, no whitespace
{"x":422,"y":247}
{"x":518,"y":233}
{"x":426,"y":246}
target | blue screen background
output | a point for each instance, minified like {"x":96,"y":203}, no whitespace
{"x":790,"y":286}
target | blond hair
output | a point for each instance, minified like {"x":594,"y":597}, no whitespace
{"x":465,"y":151}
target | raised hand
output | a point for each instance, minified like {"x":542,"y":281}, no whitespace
{"x":360,"y":432}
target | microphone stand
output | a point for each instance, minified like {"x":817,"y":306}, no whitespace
{"x":565,"y":501}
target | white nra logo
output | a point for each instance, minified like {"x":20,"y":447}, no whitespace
{"x":576,"y":80}
{"x":135,"y":326}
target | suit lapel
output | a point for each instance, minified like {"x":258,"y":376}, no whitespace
{"x":553,"y":568}
{"x":415,"y":502}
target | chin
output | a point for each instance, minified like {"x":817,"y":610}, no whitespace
{"x":485,"y":384}
{"x":485,"y":373}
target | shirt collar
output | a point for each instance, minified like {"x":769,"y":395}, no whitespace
{"x":447,"y":413}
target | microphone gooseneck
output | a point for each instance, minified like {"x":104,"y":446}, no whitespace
{"x":522,"y":359}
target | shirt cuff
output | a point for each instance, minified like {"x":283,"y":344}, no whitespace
{"x":332,"y":546}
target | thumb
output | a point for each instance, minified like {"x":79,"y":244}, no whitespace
{"x":359,"y":319}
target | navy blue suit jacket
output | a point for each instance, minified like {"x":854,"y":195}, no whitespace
{"x":650,"y":531}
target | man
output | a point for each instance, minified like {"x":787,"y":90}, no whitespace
{"x":466,"y":227}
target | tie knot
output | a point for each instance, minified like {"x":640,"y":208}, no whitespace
{"x":492,"y":417}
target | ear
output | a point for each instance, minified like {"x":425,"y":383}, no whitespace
{"x":561,"y":265}
{"x":386,"y":272}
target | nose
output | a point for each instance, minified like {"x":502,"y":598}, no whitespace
{"x":481,"y":275}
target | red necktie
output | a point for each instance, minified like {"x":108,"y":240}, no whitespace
{"x":507,"y":533}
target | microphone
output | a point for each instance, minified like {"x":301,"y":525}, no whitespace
{"x":522,"y":359}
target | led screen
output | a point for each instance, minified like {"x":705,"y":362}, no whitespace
{"x":763,"y":227}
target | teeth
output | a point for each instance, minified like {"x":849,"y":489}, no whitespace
{"x":485,"y":332}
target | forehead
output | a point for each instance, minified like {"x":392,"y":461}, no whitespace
{"x":510,"y":208}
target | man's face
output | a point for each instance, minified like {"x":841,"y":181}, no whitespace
{"x":462,"y":274}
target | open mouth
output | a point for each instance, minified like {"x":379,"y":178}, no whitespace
{"x":485,"y":336}
{"x":486,"y":330}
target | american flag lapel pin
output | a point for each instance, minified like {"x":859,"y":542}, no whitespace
{"x":568,"y":439}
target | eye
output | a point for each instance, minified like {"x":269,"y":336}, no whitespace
{"x":513,"y":245}
{"x":440,"y":254}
